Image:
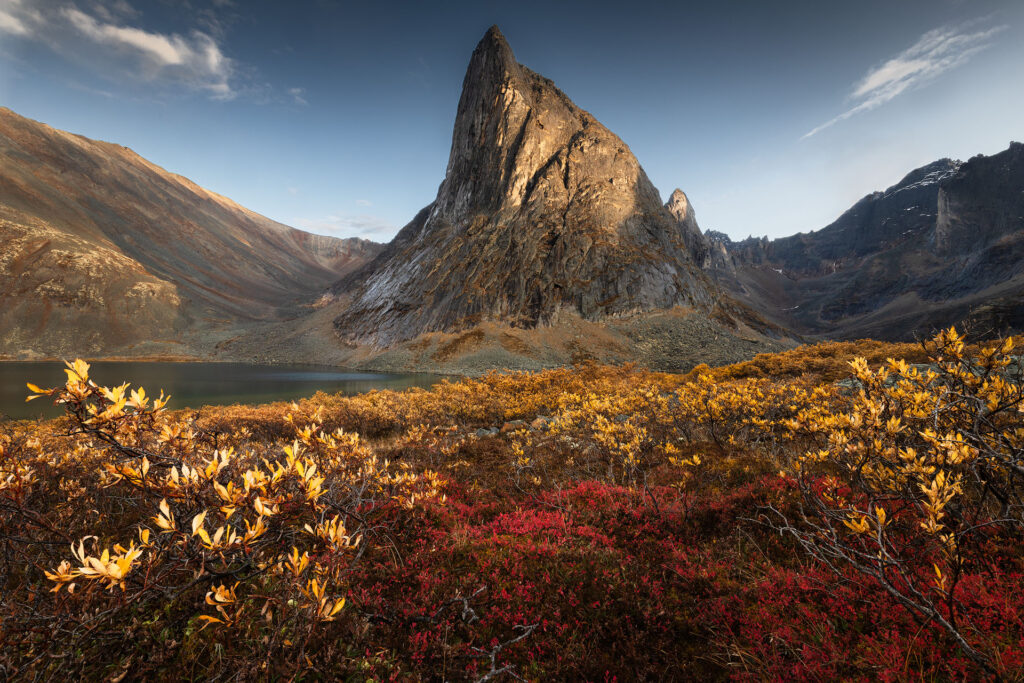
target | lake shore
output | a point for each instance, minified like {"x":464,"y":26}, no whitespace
{"x":198,"y":384}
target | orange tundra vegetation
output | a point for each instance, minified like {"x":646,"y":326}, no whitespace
{"x":762,"y":520}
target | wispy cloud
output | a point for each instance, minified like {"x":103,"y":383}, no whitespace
{"x":365,"y":226}
{"x":9,"y":23}
{"x":298,"y":96}
{"x":115,"y":10}
{"x":17,"y":18}
{"x":106,"y":33}
{"x":934,"y":53}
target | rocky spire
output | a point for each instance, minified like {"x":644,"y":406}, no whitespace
{"x":492,"y":62}
{"x":697,"y":243}
{"x":679,"y":206}
{"x":541,"y":209}
{"x":489,"y":112}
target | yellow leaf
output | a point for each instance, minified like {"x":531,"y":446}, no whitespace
{"x":207,"y":619}
{"x":77,"y":371}
{"x":197,"y":521}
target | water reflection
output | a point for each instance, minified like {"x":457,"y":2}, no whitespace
{"x":196,"y":384}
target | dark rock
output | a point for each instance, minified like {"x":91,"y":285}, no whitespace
{"x":943,"y":246}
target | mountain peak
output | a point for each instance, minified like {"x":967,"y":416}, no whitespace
{"x":679,"y":205}
{"x":542,"y":210}
{"x":492,"y":62}
{"x":494,"y":41}
{"x":697,"y":243}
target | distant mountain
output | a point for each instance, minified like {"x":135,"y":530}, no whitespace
{"x":104,"y":252}
{"x":943,"y":246}
{"x":542,"y":211}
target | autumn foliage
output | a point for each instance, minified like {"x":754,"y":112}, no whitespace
{"x":594,"y":523}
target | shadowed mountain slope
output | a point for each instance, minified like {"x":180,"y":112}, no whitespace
{"x":943,"y":246}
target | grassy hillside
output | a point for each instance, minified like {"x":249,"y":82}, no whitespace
{"x":602,"y":523}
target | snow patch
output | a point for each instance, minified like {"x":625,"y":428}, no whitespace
{"x":932,"y":178}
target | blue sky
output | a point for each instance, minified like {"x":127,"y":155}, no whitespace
{"x":336,"y":117}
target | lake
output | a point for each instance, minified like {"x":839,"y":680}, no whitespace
{"x":197,"y":384}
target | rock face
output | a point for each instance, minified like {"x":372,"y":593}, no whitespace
{"x":102,"y":251}
{"x":541,"y":209}
{"x":697,"y":243}
{"x":945,"y":245}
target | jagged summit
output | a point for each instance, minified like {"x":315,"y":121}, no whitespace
{"x":505,"y":113}
{"x":492,"y":50}
{"x":541,"y":209}
{"x":679,"y":206}
{"x":697,"y":243}
{"x":943,"y":246}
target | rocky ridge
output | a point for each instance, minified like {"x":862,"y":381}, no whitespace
{"x":943,"y":246}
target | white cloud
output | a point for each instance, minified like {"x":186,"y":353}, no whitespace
{"x":196,"y":61}
{"x":364,"y":202}
{"x":16,"y":18}
{"x":298,"y":95}
{"x":933,"y":54}
{"x":104,"y":36}
{"x":364,"y":226}
{"x":166,"y":49}
{"x":12,"y":24}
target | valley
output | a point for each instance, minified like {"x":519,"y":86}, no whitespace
{"x":556,"y":428}
{"x":545,"y":246}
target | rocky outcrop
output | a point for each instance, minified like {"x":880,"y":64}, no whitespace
{"x":542,"y":209}
{"x":983,"y":203}
{"x":903,"y":213}
{"x":101,"y":251}
{"x":697,"y":243}
{"x":943,"y":246}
